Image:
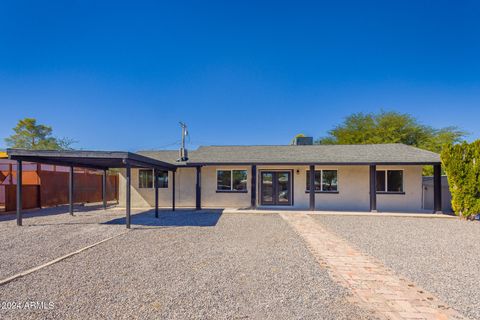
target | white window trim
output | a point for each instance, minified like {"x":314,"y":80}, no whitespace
{"x":321,"y":181}
{"x":231,"y":180}
{"x":386,"y":181}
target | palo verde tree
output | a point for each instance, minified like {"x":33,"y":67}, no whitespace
{"x":32,"y":136}
{"x":462,"y":166}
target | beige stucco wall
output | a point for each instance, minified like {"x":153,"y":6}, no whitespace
{"x":412,"y":186}
{"x":353,"y":187}
{"x":145,"y":197}
{"x":185,"y":181}
{"x":212,"y":199}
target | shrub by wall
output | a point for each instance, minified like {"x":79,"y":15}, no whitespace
{"x":462,"y":166}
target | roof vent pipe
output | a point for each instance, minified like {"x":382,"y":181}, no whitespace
{"x":183,"y":152}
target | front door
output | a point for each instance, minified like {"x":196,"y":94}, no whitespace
{"x":276,"y":188}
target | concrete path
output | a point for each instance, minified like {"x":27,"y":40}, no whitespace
{"x":375,"y":286}
{"x":344,"y":213}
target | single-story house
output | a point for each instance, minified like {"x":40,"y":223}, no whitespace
{"x":383,"y":177}
{"x":280,"y":177}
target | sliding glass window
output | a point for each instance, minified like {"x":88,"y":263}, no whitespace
{"x":232,"y":180}
{"x":389,"y":181}
{"x":325,"y":181}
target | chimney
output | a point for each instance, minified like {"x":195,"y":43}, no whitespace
{"x":303,"y":141}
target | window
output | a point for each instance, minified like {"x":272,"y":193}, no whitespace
{"x":390,"y":181}
{"x":232,"y":180}
{"x":318,"y":180}
{"x":329,"y":180}
{"x":325,"y":181}
{"x":162,"y":179}
{"x":239,"y":180}
{"x":145,"y":179}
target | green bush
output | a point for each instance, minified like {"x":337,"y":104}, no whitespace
{"x":462,"y":166}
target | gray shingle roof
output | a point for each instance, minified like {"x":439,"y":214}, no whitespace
{"x":312,"y":154}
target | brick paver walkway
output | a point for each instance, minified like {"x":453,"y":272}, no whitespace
{"x":374,"y":286}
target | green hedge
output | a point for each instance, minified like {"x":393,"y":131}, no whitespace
{"x":462,"y":166}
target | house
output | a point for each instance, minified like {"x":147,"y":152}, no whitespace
{"x":383,"y":177}
{"x":280,"y":177}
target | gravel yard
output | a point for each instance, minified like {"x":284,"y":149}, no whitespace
{"x":50,"y":233}
{"x":183,"y":266}
{"x":440,"y":255}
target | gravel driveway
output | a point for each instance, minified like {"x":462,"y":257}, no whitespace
{"x":440,"y":255}
{"x":188,"y":266}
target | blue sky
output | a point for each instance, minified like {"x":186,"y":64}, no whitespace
{"x":120,"y":75}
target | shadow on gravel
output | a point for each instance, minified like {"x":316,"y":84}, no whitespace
{"x":172,"y":219}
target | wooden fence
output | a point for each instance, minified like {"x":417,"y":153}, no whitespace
{"x":30,"y":197}
{"x":87,"y":188}
{"x":45,"y":186}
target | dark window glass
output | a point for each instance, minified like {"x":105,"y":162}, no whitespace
{"x":163,"y":179}
{"x":395,"y":180}
{"x":318,"y":179}
{"x":224,"y":180}
{"x":381,"y":181}
{"x":145,"y":179}
{"x":239,"y":180}
{"x":329,"y":181}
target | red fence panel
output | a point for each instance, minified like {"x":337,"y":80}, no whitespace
{"x":30,"y":197}
{"x":87,"y":187}
{"x":46,"y":186}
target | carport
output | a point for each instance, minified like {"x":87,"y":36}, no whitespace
{"x":98,"y":160}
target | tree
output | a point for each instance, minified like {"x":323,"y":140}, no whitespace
{"x":30,"y":135}
{"x":462,"y":165}
{"x":392,"y":127}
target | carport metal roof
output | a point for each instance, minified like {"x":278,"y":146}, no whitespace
{"x":90,"y":159}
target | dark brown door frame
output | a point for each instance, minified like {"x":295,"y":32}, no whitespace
{"x":275,"y":188}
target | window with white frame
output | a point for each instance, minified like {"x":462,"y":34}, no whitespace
{"x":325,"y":181}
{"x":389,"y":181}
{"x":232,"y":180}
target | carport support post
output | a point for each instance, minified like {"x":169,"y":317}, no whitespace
{"x":127,"y":195}
{"x":437,"y":188}
{"x":19,"y":192}
{"x":155,"y":185}
{"x":373,"y":188}
{"x":70,"y":190}
{"x":198,"y":190}
{"x":173,"y":190}
{"x":311,"y":184}
{"x":104,"y":189}
{"x":253,"y":187}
